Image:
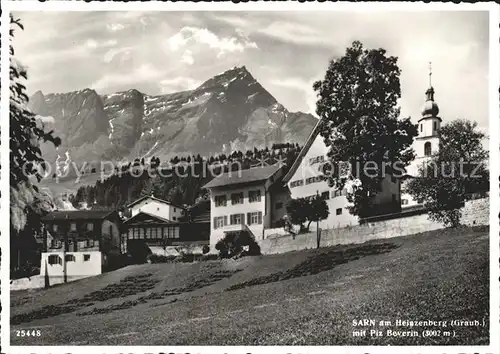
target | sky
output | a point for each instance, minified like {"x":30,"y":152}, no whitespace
{"x":163,"y":52}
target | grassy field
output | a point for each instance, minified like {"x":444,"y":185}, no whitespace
{"x":309,"y":297}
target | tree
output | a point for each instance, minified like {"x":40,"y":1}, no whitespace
{"x":457,"y":170}
{"x":26,"y":162}
{"x":357,"y":104}
{"x":302,"y":210}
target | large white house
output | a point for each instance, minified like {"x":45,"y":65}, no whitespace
{"x":246,"y":201}
{"x":304,"y":179}
{"x":156,"y":207}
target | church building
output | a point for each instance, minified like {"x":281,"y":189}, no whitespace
{"x":426,"y":143}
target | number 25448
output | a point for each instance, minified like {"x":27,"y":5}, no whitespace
{"x":28,"y":333}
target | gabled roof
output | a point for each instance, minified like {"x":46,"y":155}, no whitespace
{"x":77,"y":215}
{"x":148,"y":218}
{"x":255,"y":174}
{"x":153,"y":198}
{"x":303,"y":152}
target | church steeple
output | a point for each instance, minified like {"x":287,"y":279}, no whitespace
{"x":429,"y":123}
{"x":430,"y":108}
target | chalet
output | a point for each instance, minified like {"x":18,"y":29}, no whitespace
{"x":244,"y":201}
{"x":146,"y":233}
{"x":155,"y":206}
{"x":79,"y":243}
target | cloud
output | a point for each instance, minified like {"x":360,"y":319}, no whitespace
{"x":145,"y":72}
{"x":189,"y":36}
{"x":114,"y":27}
{"x":180,"y":83}
{"x":293,"y":32}
{"x":305,"y":86}
{"x":187,"y":57}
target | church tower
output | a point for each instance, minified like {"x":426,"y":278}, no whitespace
{"x":427,"y":141}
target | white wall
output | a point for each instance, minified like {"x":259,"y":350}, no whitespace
{"x":304,"y":171}
{"x":77,"y":268}
{"x":157,"y":208}
{"x":244,"y":208}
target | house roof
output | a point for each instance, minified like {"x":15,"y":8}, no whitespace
{"x":255,"y":174}
{"x":307,"y":145}
{"x":148,"y":218}
{"x":77,"y":215}
{"x":153,"y":198}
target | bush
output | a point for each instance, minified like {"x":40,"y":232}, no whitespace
{"x":237,"y":244}
{"x":156,"y":258}
{"x":205,"y":249}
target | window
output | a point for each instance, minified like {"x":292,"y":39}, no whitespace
{"x":220,"y":200}
{"x":54,"y":227}
{"x":54,"y":259}
{"x":175,"y":232}
{"x":339,"y":211}
{"x":278,"y":205}
{"x":325,"y":195}
{"x":73,"y":226}
{"x":427,"y":149}
{"x":158,"y":209}
{"x":254,"y":218}
{"x":254,"y":196}
{"x":435,"y":126}
{"x":90,"y":226}
{"x":175,"y":209}
{"x":110,"y":230}
{"x":236,"y":219}
{"x":90,"y":243}
{"x":421,"y":128}
{"x":314,"y":179}
{"x":86,"y":257}
{"x":69,"y":258}
{"x":297,"y":183}
{"x":220,"y":221}
{"x":394,"y":198}
{"x":174,"y":217}
{"x":404,"y":201}
{"x":316,"y":159}
{"x":236,"y":198}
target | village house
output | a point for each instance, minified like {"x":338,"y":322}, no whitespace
{"x":156,"y":227}
{"x":155,"y":206}
{"x":305,"y":180}
{"x":79,"y":243}
{"x":250,"y":200}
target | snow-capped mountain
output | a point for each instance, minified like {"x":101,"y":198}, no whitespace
{"x":229,"y":110}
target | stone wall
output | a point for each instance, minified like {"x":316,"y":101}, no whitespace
{"x":475,"y":212}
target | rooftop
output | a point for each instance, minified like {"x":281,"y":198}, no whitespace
{"x":77,"y":215}
{"x":255,"y":174}
{"x":153,"y":198}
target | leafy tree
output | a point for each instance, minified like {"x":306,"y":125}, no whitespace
{"x":27,"y":204}
{"x":457,"y":170}
{"x":302,"y":210}
{"x":360,"y":121}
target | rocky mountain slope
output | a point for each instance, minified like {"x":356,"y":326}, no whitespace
{"x":230,"y":111}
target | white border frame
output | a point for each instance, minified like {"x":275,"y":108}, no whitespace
{"x":494,"y":128}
